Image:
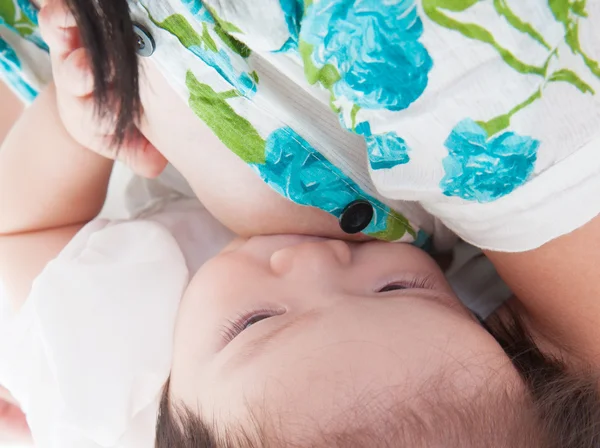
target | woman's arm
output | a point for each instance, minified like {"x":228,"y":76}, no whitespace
{"x":50,"y":187}
{"x":10,"y":110}
{"x":558,"y":286}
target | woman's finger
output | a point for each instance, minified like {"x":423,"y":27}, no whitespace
{"x":59,"y":29}
{"x":97,"y":134}
{"x":80,"y":117}
{"x":74,"y":75}
{"x":141,"y":156}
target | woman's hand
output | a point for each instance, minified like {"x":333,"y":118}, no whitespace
{"x":75,"y":86}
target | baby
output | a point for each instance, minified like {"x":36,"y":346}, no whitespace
{"x":280,"y":340}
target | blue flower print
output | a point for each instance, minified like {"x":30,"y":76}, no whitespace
{"x":300,"y":173}
{"x":375,"y":47}
{"x":11,"y":71}
{"x":293,"y":11}
{"x":25,"y":23}
{"x":221,"y":62}
{"x":384,"y":150}
{"x":199,"y":11}
{"x":29,"y":10}
{"x":483,"y":170}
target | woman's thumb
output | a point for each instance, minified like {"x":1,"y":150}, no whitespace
{"x":141,"y":156}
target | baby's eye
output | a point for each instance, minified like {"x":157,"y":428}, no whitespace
{"x":255,"y":319}
{"x":416,"y":283}
{"x":392,"y":287}
{"x":244,"y":321}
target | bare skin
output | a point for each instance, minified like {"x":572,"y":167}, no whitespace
{"x":13,"y":427}
{"x":10,"y":110}
{"x":558,"y":287}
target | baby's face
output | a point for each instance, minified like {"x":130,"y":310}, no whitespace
{"x":301,"y":329}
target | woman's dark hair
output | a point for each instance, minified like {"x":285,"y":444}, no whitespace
{"x":106,"y":31}
{"x":561,"y":411}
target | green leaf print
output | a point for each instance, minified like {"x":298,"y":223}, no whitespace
{"x":568,"y":13}
{"x":228,"y":27}
{"x":397,"y":226}
{"x":233,"y":130}
{"x":578,"y":8}
{"x":502,"y":122}
{"x":223,"y":28}
{"x":455,"y":5}
{"x":207,"y":39}
{"x":236,"y":46}
{"x":14,"y":18}
{"x":353,"y":114}
{"x":564,"y":9}
{"x":504,"y":10}
{"x":310,"y":70}
{"x":179,"y":27}
{"x":566,"y":75}
{"x":327,"y":76}
{"x":433,"y":9}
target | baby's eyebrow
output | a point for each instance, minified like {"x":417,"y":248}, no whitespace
{"x":258,"y":346}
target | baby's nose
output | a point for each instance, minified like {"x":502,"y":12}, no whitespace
{"x":315,"y":258}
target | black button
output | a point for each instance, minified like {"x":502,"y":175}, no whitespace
{"x":144,"y":42}
{"x":356,"y":217}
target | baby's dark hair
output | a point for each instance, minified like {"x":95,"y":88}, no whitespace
{"x":560,"y":409}
{"x":107,"y":34}
{"x":433,"y":420}
{"x":565,"y":401}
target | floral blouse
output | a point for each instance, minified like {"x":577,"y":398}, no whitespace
{"x":470,"y":117}
{"x":24,"y":64}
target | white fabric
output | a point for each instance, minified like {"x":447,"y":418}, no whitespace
{"x":495,"y":193}
{"x":90,"y":350}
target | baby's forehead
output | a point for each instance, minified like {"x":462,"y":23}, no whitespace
{"x":341,"y":376}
